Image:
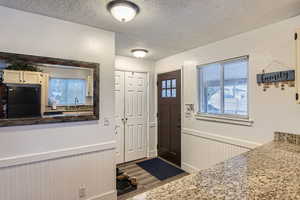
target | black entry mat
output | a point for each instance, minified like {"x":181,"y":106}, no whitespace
{"x":159,"y":168}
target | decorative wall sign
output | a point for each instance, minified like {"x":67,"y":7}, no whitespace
{"x":189,"y":110}
{"x":276,"y":78}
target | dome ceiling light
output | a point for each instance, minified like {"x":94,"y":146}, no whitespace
{"x":122,"y":10}
{"x":139,"y":53}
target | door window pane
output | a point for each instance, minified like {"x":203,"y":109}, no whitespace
{"x":174,"y":83}
{"x":168,"y":92}
{"x":164,"y":93}
{"x":163,"y":84}
{"x":168,"y":83}
{"x":173,"y":92}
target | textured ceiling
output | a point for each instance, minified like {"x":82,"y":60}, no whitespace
{"x":167,"y":27}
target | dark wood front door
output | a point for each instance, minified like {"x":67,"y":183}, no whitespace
{"x":169,"y":116}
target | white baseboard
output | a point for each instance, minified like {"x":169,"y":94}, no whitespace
{"x":111,"y":195}
{"x":153,"y":153}
{"x":189,"y":168}
{"x":50,"y":155}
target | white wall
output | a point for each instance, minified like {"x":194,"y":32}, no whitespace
{"x":32,"y":34}
{"x":274,"y":110}
{"x":143,"y":65}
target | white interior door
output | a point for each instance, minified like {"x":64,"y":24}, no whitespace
{"x":135,"y":115}
{"x":119,"y":115}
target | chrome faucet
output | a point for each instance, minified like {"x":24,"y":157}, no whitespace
{"x":76,"y":102}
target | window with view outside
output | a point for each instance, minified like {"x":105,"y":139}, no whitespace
{"x":168,"y":88}
{"x":223,"y":87}
{"x":65,"y":91}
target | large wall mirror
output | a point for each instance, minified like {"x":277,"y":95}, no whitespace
{"x":38,"y":90}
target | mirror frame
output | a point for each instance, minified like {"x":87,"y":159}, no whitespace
{"x":55,"y":61}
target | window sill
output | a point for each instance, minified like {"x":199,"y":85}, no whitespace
{"x":224,"y":119}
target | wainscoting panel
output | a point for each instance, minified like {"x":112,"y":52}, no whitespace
{"x":199,"y":152}
{"x":61,"y":178}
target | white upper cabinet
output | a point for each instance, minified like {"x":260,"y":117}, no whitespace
{"x":22,"y":77}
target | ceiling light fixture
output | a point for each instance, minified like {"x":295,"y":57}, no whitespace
{"x":122,"y":10}
{"x":139,"y":53}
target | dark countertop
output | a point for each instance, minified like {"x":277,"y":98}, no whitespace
{"x":269,"y":172}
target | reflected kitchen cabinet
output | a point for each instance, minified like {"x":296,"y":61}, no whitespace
{"x":12,"y":76}
{"x":90,"y":86}
{"x":21,"y":77}
{"x":44,"y":91}
{"x":32,"y":77}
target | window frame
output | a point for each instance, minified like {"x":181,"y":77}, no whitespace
{"x":222,"y":115}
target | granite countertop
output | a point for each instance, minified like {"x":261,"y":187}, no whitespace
{"x":269,"y":172}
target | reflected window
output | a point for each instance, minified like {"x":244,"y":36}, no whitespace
{"x":66,"y":92}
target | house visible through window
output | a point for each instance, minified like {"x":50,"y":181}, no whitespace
{"x":223,"y":87}
{"x":65,"y":92}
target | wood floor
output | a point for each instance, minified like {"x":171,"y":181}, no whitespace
{"x":145,"y":180}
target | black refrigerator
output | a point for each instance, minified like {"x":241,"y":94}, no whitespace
{"x":23,"y":101}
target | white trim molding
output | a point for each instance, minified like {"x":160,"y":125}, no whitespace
{"x":153,"y":153}
{"x":189,"y":168}
{"x":223,"y":139}
{"x":111,"y":195}
{"x":61,"y":153}
{"x":152,"y":124}
{"x":224,"y":119}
